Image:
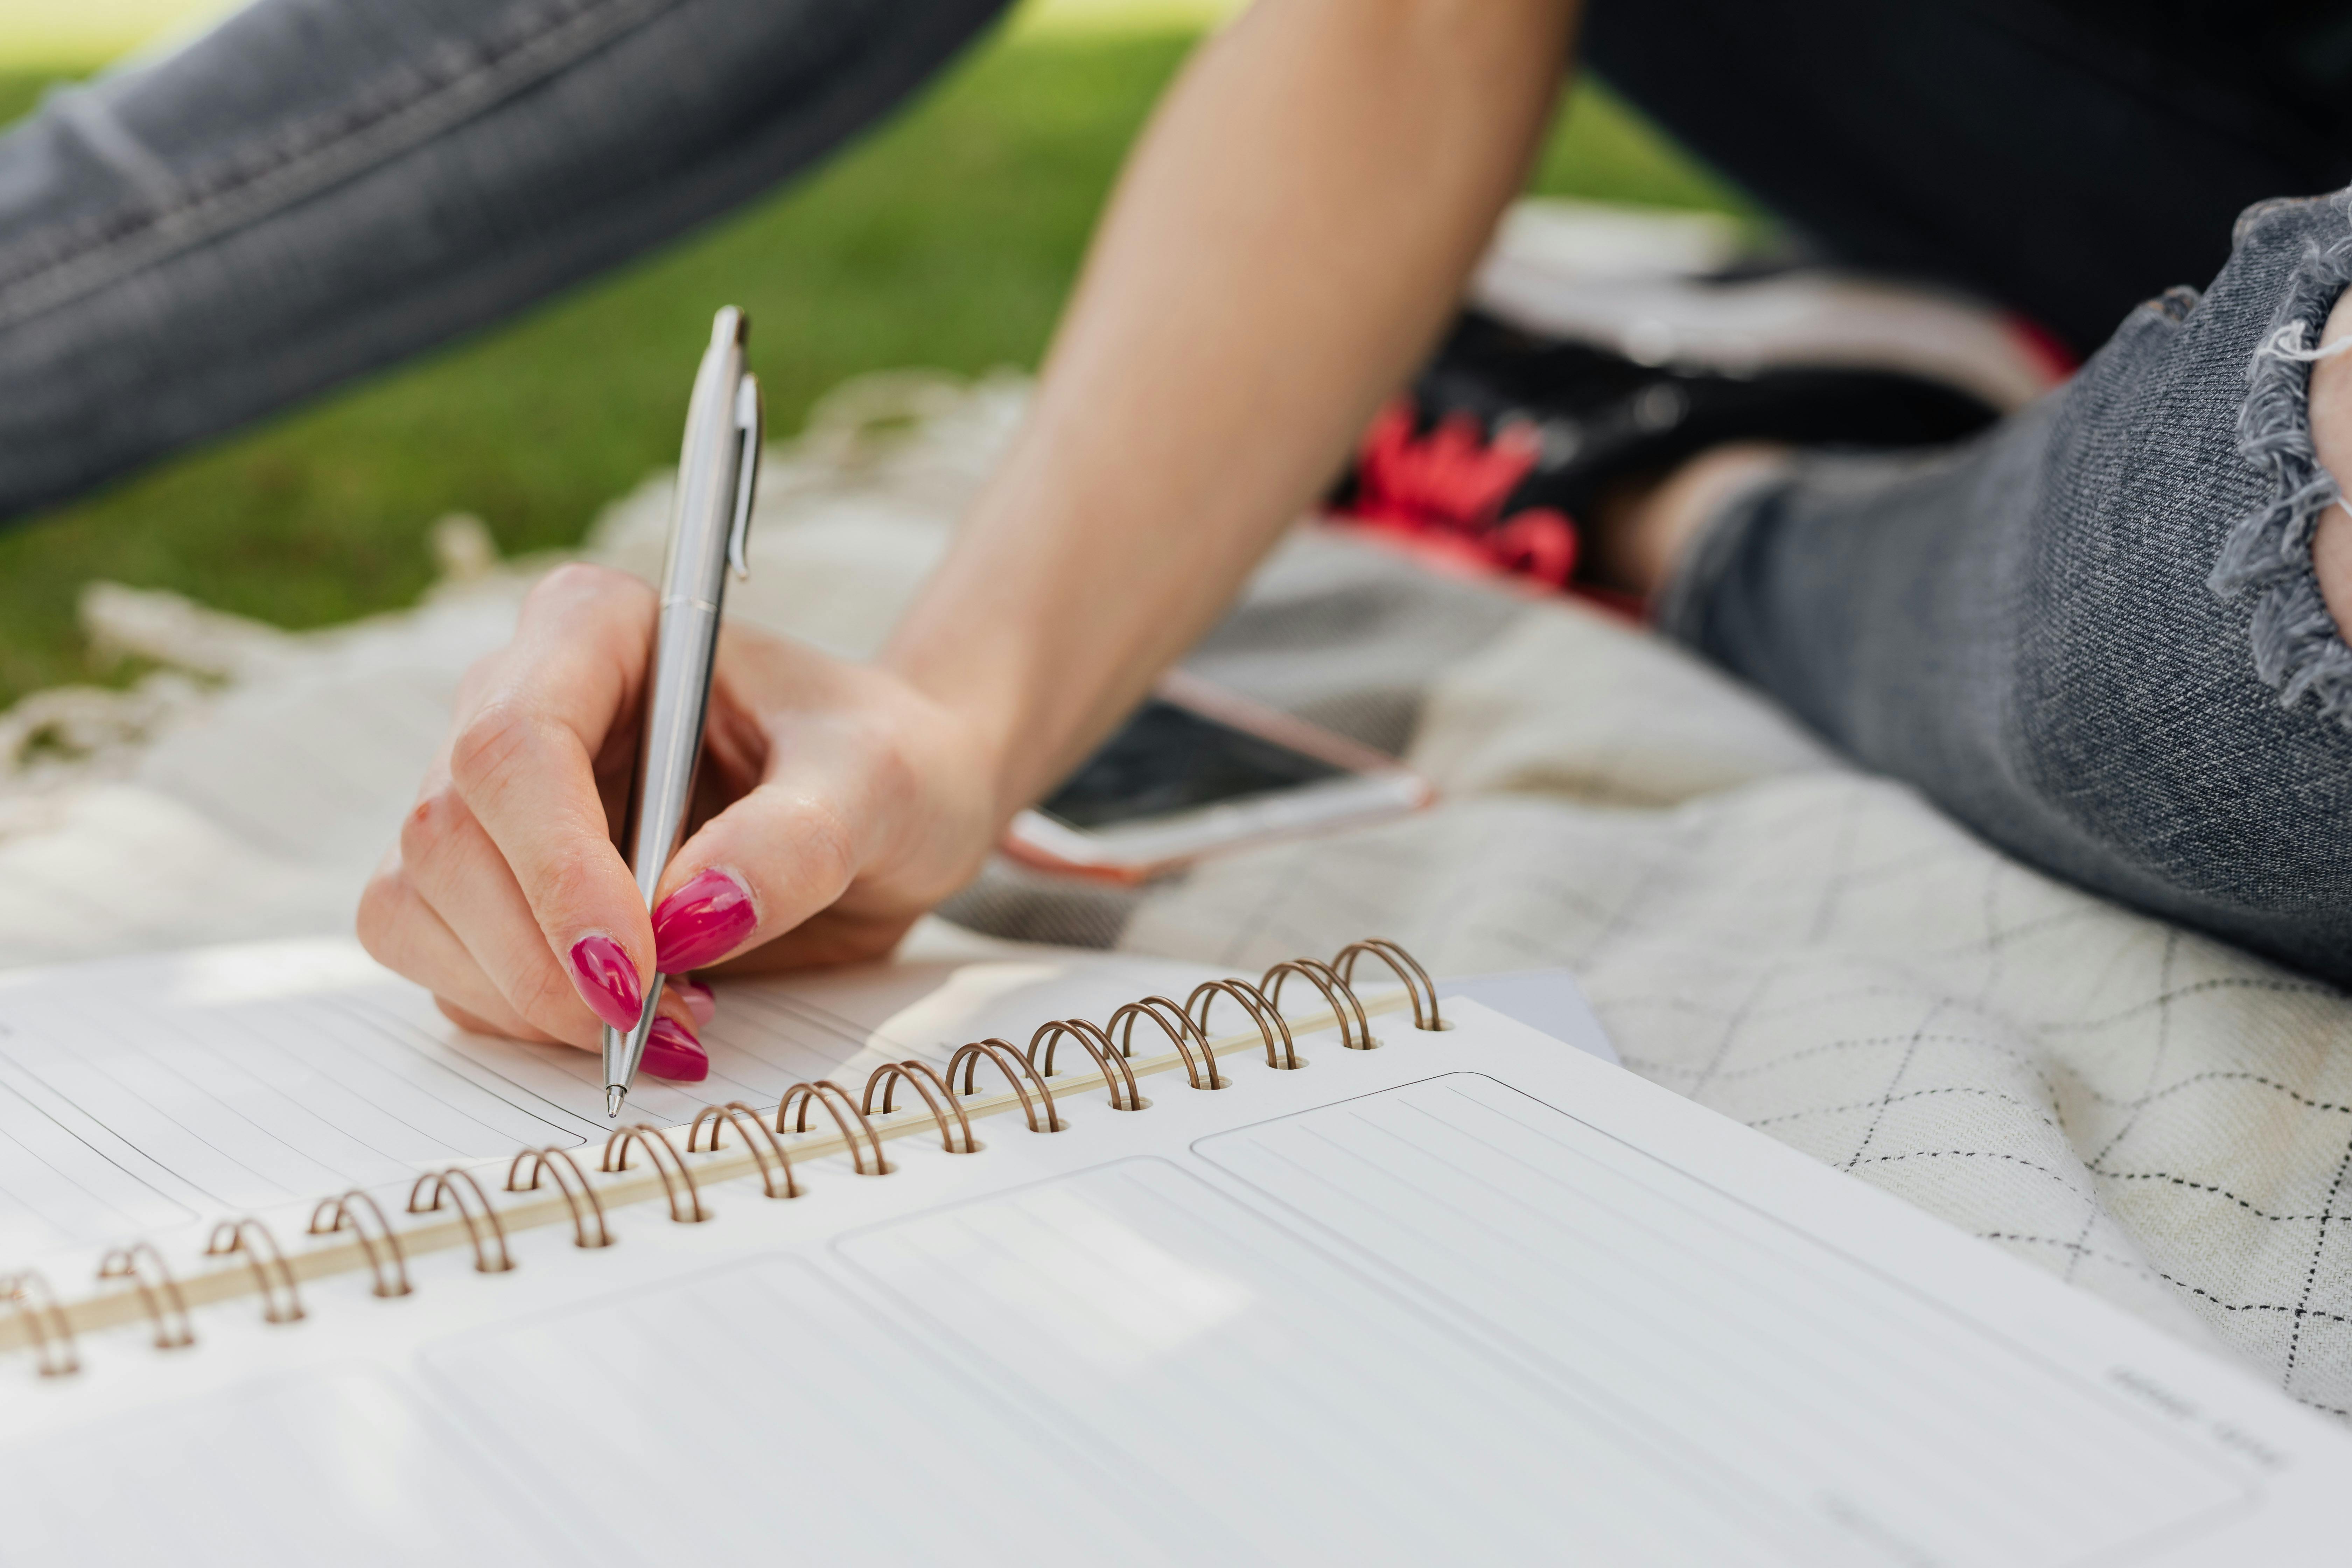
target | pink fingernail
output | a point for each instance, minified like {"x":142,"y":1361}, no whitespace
{"x":607,"y":981}
{"x":702,"y":921}
{"x":672,"y":1053}
{"x":698,"y":999}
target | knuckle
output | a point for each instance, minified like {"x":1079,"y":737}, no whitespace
{"x":489,"y":743}
{"x":824,"y":841}
{"x":897,"y":780}
{"x":578,"y":585}
{"x":381,"y":902}
{"x":545,"y":1000}
{"x":431,"y":827}
{"x":568,"y":882}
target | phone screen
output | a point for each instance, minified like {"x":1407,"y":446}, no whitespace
{"x":1168,"y":759}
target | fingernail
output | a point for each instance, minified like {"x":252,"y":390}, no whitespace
{"x":607,"y":981}
{"x":702,"y":921}
{"x":698,"y":999}
{"x":672,"y":1053}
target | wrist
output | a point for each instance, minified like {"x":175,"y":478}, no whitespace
{"x":973,"y":696}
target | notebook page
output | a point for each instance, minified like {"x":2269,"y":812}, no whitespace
{"x":1757,"y":1351}
{"x":129,"y":1488}
{"x":140,"y":1094}
{"x":1154,"y":1325}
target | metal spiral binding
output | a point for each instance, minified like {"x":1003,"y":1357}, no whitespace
{"x":1177,"y":1025}
{"x":339,"y":1213}
{"x":455,"y":1184}
{"x":576,"y":1191}
{"x":1336,"y":991}
{"x":755,"y":1135}
{"x":1407,"y":969}
{"x":836,"y":1101}
{"x":1108,"y":1056}
{"x":937,"y":1097}
{"x":48,"y":1324}
{"x":1015,"y":1068}
{"x":666,"y":1159}
{"x":251,"y":1238}
{"x":1261,"y":1013}
{"x":166,"y":1308}
{"x":29,"y":1296}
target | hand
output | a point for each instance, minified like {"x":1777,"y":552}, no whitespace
{"x":837,"y":803}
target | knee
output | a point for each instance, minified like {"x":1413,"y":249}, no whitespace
{"x":2331,"y":442}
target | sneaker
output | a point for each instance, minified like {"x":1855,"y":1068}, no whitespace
{"x":1601,"y":374}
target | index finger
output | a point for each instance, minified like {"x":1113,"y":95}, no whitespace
{"x":524,"y":762}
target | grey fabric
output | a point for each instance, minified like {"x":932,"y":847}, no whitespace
{"x":2053,"y":632}
{"x":319,"y":187}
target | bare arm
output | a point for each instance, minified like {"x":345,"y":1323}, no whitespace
{"x":1288,"y":237}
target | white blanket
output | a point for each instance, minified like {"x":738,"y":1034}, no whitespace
{"x":2156,"y":1117}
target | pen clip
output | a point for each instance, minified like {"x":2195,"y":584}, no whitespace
{"x":750,"y":428}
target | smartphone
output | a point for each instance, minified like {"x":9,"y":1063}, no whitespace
{"x":1197,"y":770}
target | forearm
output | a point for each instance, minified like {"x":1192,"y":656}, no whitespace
{"x":1288,"y":237}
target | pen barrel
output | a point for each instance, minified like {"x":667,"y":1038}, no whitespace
{"x":686,"y":644}
{"x":693,"y":590}
{"x":686,"y":639}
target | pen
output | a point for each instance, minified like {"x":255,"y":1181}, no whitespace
{"x":710,"y":520}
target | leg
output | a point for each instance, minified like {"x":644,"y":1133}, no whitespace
{"x":2094,"y":635}
{"x":318,"y":188}
{"x":2065,"y":158}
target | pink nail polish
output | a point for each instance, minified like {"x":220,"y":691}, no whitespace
{"x":607,"y":981}
{"x":702,"y":921}
{"x":672,"y":1053}
{"x":698,"y":998}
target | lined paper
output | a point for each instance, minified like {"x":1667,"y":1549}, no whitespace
{"x":140,"y":1094}
{"x":1316,"y":1416}
{"x":766,"y":1402}
{"x":1754,"y":1351}
{"x":118,"y":1115}
{"x":1355,"y":1313}
{"x":347,"y":1468}
{"x":771,"y":1034}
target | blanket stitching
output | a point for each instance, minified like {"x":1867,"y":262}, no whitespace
{"x":1910,"y":1094}
{"x":2057,"y":1176}
{"x":2311,"y":1275}
{"x":2216,"y":1190}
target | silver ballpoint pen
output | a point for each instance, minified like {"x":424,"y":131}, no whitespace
{"x":710,"y":520}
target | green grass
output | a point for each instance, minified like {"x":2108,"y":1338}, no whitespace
{"x":946,"y":239}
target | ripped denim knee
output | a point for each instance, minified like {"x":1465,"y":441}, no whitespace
{"x":2088,"y":634}
{"x":2297,"y":648}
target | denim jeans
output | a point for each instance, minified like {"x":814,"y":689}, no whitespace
{"x":2065,"y":158}
{"x":2092,"y":634}
{"x":317,"y":188}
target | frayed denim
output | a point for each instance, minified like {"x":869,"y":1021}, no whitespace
{"x":2093,"y":635}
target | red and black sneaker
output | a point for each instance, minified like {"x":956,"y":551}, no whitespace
{"x":1512,"y":432}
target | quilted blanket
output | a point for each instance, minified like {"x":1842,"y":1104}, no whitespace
{"x":1816,"y":952}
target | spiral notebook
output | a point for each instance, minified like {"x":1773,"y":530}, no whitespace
{"x":1012,"y":1255}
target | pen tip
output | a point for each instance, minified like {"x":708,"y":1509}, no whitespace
{"x":614,"y":1095}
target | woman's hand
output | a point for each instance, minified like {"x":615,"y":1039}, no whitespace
{"x":1232,"y":333}
{"x":836,"y":803}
